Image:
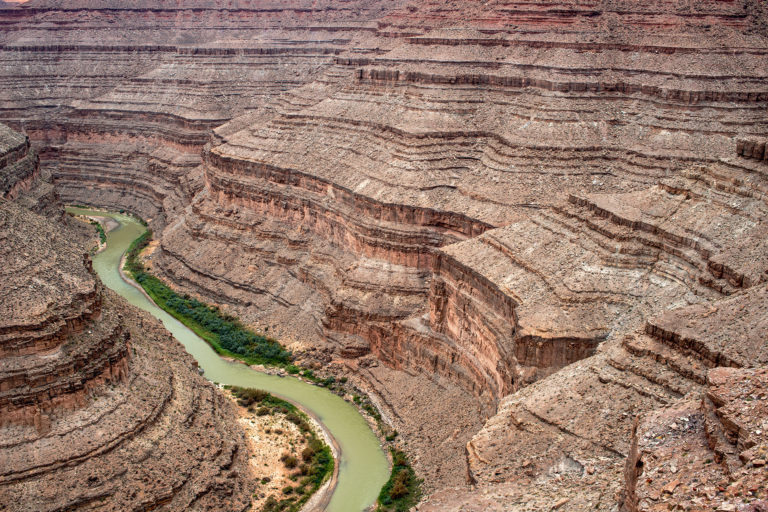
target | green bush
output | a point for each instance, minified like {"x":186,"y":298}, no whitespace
{"x":224,"y":332}
{"x":403,"y":490}
{"x":100,"y":229}
{"x":307,"y":454}
{"x":271,"y":505}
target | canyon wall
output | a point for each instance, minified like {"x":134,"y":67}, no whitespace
{"x":481,"y":210}
{"x":100,"y":407}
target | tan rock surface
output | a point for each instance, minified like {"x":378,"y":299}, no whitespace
{"x":100,"y":408}
{"x":521,"y":208}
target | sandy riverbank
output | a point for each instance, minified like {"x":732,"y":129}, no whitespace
{"x":276,"y":434}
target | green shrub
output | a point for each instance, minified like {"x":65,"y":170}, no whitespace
{"x":403,"y":490}
{"x":100,"y":229}
{"x":391,"y":437}
{"x":246,"y":397}
{"x":271,"y":505}
{"x":222,"y":331}
{"x":307,"y":454}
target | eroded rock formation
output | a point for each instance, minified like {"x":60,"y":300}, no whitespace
{"x":518,"y":217}
{"x":100,"y":407}
{"x":708,"y":453}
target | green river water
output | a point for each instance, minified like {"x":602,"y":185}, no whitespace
{"x":363,"y":468}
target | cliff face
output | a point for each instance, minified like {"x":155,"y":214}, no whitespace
{"x":122,"y":96}
{"x":99,"y":406}
{"x":467,"y":160}
{"x":497,"y":200}
{"x":22,"y":180}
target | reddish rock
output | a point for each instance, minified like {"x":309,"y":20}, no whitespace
{"x":99,"y":405}
{"x":534,"y":204}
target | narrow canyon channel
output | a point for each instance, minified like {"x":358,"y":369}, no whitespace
{"x":363,"y":468}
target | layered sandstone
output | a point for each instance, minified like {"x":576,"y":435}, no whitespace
{"x":122,"y":114}
{"x":22,"y":180}
{"x":499,"y":201}
{"x":100,"y":407}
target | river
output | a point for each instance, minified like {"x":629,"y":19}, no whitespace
{"x":363,"y":468}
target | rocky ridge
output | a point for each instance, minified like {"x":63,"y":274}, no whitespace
{"x":498,"y":200}
{"x":100,"y":407}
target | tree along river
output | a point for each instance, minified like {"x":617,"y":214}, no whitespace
{"x":363,"y":468}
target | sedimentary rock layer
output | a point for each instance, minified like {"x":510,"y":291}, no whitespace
{"x":100,"y":407}
{"x":503,"y":196}
{"x":155,"y":86}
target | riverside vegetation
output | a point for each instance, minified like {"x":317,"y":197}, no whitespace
{"x":403,"y":489}
{"x":223,"y":332}
{"x":229,"y":337}
{"x":311,"y":467}
{"x":100,"y":230}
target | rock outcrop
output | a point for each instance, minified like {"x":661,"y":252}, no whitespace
{"x":516,"y":207}
{"x":708,"y":454}
{"x":100,"y":407}
{"x":22,"y":180}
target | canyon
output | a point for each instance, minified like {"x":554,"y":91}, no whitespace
{"x":535,"y":232}
{"x":94,"y":393}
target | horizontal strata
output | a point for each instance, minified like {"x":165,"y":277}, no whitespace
{"x":53,"y":350}
{"x":357,"y":305}
{"x":666,"y":94}
{"x":51,"y":268}
{"x":146,"y":179}
{"x":125,"y":437}
{"x":490,"y":335}
{"x":579,"y":16}
{"x":484,"y":193}
{"x":99,"y":406}
{"x":301,"y":197}
{"x":591,"y":440}
{"x":595,"y":259}
{"x":157,"y":105}
{"x":754,"y":149}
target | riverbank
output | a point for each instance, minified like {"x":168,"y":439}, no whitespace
{"x":255,"y":427}
{"x":258,"y":427}
{"x":401,"y":491}
{"x":362,"y":467}
{"x":289,"y":457}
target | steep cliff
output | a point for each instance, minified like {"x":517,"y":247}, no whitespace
{"x":100,"y":407}
{"x":480,"y":210}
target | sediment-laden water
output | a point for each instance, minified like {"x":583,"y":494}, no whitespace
{"x":363,"y":467}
